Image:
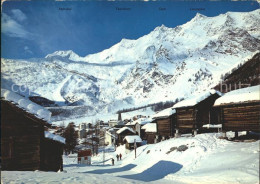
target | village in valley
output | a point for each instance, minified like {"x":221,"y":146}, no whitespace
{"x":204,"y":122}
{"x":163,"y":115}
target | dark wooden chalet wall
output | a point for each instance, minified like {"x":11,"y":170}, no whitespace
{"x":51,"y":157}
{"x":166,"y":126}
{"x":142,"y":133}
{"x":185,"y":118}
{"x":21,"y":138}
{"x":150,"y":136}
{"x":196,"y":116}
{"x":240,"y":117}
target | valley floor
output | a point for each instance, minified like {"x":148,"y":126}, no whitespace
{"x":207,"y":159}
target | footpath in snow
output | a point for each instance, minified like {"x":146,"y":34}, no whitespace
{"x":204,"y":158}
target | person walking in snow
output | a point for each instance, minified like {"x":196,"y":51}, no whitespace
{"x":120,"y":156}
{"x":117,"y":156}
{"x":113,"y":161}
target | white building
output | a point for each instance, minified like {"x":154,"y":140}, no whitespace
{"x":110,"y":139}
{"x":112,"y":123}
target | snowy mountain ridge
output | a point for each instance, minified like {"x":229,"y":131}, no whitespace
{"x":166,"y":64}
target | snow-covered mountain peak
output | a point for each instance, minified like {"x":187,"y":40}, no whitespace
{"x":161,"y":28}
{"x":69,"y":54}
{"x":199,"y":16}
{"x":166,"y":64}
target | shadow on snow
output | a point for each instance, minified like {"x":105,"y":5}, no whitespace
{"x":156,"y":172}
{"x":113,"y":170}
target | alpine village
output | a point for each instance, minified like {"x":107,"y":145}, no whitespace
{"x":177,"y":141}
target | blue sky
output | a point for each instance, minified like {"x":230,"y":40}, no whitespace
{"x":35,"y":29}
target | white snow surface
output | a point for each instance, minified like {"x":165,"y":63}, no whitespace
{"x":192,"y":101}
{"x":212,"y":126}
{"x":54,"y":137}
{"x":123,"y":129}
{"x":164,"y":113}
{"x":26,"y":104}
{"x":207,"y":160}
{"x":133,"y":138}
{"x":141,"y":121}
{"x":150,"y":127}
{"x":166,"y":64}
{"x":240,"y":95}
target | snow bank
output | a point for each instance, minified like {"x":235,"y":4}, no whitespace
{"x":54,"y":137}
{"x":164,"y":113}
{"x":212,"y":126}
{"x":26,"y":104}
{"x":196,"y":99}
{"x":150,"y":127}
{"x":132,"y":138}
{"x":241,"y":95}
{"x":123,"y":129}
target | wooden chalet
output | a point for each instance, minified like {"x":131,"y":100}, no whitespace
{"x":122,"y":132}
{"x":239,"y":110}
{"x":166,"y":122}
{"x":193,"y":113}
{"x":131,"y":140}
{"x":138,"y":124}
{"x":150,"y":130}
{"x":23,"y":142}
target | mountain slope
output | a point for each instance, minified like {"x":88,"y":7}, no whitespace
{"x":245,"y":75}
{"x":166,"y":64}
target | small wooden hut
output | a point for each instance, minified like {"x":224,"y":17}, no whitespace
{"x":166,"y":122}
{"x":239,"y":110}
{"x":84,"y":156}
{"x":122,"y":132}
{"x":138,"y":124}
{"x":193,"y":113}
{"x":130,"y":141}
{"x":150,"y":132}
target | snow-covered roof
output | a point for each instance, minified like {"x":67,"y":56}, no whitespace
{"x":165,"y":113}
{"x":150,"y":127}
{"x":29,"y":106}
{"x":240,"y":95}
{"x":131,"y":123}
{"x":132,"y":138}
{"x":196,"y":99}
{"x":54,"y":137}
{"x":107,"y":132}
{"x":123,"y":129}
{"x":141,"y":121}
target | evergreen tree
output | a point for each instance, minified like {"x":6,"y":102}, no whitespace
{"x":71,"y":137}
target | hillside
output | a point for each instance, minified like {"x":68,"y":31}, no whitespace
{"x":164,"y":65}
{"x":246,"y":74}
